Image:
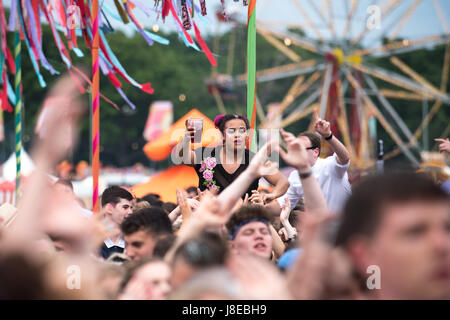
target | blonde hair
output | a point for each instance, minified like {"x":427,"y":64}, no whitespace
{"x":141,"y":205}
{"x":437,"y":174}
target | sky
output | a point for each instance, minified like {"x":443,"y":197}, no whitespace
{"x":276,"y":14}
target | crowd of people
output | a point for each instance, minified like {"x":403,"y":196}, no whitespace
{"x":311,"y":236}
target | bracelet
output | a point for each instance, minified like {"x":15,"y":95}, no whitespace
{"x":329,"y":138}
{"x":305,"y":175}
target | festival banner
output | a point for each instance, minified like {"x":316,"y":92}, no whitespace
{"x":160,"y":118}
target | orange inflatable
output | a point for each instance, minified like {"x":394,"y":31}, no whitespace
{"x":166,"y":183}
{"x":161,"y":148}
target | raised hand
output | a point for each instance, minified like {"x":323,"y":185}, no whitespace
{"x":321,"y":126}
{"x":287,"y":136}
{"x":63,"y":109}
{"x":185,"y":208}
{"x":256,"y":198}
{"x":444,"y":145}
{"x":193,"y":203}
{"x":296,"y":155}
{"x":283,"y":234}
{"x":246,"y":198}
{"x":268,"y":197}
{"x":209,"y":212}
{"x":259,"y":166}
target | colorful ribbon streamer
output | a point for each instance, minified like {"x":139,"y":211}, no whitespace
{"x":5,"y":57}
{"x":31,"y":52}
{"x":152,"y":36}
{"x":60,"y":15}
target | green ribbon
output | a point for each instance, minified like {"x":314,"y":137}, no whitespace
{"x":251,"y":71}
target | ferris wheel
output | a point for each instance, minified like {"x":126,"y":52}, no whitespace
{"x":339,"y":80}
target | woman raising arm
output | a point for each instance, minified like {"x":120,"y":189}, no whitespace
{"x":218,"y":167}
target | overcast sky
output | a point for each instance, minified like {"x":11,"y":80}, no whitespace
{"x":423,"y":22}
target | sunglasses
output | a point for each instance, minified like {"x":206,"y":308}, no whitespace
{"x":311,"y":148}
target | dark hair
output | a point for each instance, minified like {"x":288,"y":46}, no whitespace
{"x":168,"y":207}
{"x":293,"y":218}
{"x":153,"y":200}
{"x":364,"y":209}
{"x":247,"y":213}
{"x":206,"y":250}
{"x":65,"y":182}
{"x":313,"y":137}
{"x":154,"y":221}
{"x":222,"y":119}
{"x":192,"y":189}
{"x":293,"y":244}
{"x":163,"y":245}
{"x":21,"y":277}
{"x":113,"y":195}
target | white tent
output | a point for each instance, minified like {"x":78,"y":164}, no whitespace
{"x":83,"y":188}
{"x":9,"y":167}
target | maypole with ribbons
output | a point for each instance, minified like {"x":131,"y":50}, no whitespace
{"x":69,"y":19}
{"x":18,"y":107}
{"x":251,"y":71}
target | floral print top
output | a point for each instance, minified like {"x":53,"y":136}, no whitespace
{"x":213,"y":176}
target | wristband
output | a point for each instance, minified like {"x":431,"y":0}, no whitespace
{"x":329,"y":138}
{"x":305,"y":175}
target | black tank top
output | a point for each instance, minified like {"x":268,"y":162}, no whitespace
{"x":222,"y":178}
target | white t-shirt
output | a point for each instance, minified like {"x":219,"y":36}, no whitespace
{"x":332,"y":178}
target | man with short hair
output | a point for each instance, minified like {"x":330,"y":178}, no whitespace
{"x":116,"y":206}
{"x":249,"y":232}
{"x":330,"y":173}
{"x":143,"y":229}
{"x":399,"y":224}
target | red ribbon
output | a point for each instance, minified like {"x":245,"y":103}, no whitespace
{"x":172,"y":9}
{"x":204,"y":47}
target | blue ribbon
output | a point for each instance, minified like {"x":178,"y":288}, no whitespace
{"x":152,"y":36}
{"x":12,"y":17}
{"x":34,"y":35}
{"x":11,"y":93}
